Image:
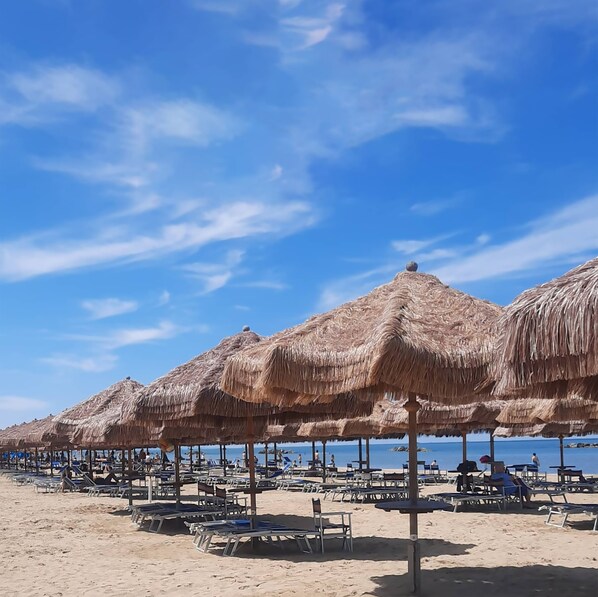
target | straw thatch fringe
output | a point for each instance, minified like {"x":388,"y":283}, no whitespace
{"x":517,"y":412}
{"x":412,"y":335}
{"x":547,"y":429}
{"x":550,"y":334}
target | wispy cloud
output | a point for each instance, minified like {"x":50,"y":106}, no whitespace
{"x":267,"y":284}
{"x":88,"y":364}
{"x":570,"y":233}
{"x":214,"y":276}
{"x":129,"y":336}
{"x":164,"y":298}
{"x":435,"y":207}
{"x":101,"y":353}
{"x":44,"y":92}
{"x":18,"y":404}
{"x":566,"y":236}
{"x":108,"y":307}
{"x":47,"y":253}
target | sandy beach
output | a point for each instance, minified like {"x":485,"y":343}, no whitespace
{"x":65,"y":544}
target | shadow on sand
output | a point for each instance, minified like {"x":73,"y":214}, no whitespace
{"x":509,"y":581}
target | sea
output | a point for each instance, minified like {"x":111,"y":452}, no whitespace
{"x":448,"y":454}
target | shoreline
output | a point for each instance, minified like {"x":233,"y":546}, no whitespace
{"x":93,"y":540}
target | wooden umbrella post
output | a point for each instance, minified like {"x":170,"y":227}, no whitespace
{"x":130,"y":474}
{"x":492,"y":452}
{"x":324,"y":461}
{"x":360,"y":454}
{"x":367,"y":452}
{"x":36,"y":461}
{"x":464,"y":445}
{"x":251,"y":458}
{"x":413,"y":555}
{"x":313,"y":454}
{"x":177,"y":473}
{"x":90,"y":463}
{"x":51,"y":461}
{"x":122,"y":464}
{"x":225,"y":461}
{"x":266,"y":458}
{"x":562,"y":453}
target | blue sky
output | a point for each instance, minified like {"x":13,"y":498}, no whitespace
{"x":172,"y":171}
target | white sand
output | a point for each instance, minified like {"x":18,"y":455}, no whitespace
{"x":69,"y":544}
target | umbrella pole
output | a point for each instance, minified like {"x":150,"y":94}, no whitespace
{"x":177,"y":472}
{"x":251,"y":457}
{"x":266,"y":458}
{"x":367,"y":452}
{"x":464,"y":437}
{"x":562,"y":452}
{"x":36,"y":462}
{"x":130,"y":474}
{"x":491,"y":452}
{"x":324,"y":461}
{"x":90,"y":463}
{"x":122,"y":465}
{"x":413,"y":555}
{"x":313,"y":454}
{"x":51,"y":462}
{"x":225,"y":464}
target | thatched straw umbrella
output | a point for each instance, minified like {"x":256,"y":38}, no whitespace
{"x":188,"y":403}
{"x":549,"y":339}
{"x":413,"y":336}
{"x":95,"y":421}
{"x":30,"y":435}
{"x":517,"y":412}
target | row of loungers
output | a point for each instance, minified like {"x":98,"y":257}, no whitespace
{"x":155,"y":514}
{"x":232,"y":532}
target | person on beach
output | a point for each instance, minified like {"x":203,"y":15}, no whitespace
{"x":535,"y":460}
{"x":317,"y":457}
{"x":511,"y":485}
{"x":300,"y":459}
{"x":332,"y":462}
{"x":66,"y":473}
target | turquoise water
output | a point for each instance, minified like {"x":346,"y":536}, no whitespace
{"x":447,"y":454}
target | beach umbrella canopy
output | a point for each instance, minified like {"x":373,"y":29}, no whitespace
{"x":413,"y":336}
{"x":530,"y":411}
{"x":548,"y":344}
{"x":190,"y":396}
{"x":561,"y":429}
{"x":98,"y":420}
{"x":29,"y":435}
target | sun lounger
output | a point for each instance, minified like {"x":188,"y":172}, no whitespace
{"x":459,"y":499}
{"x":550,"y":493}
{"x":565,"y":510}
{"x":232,"y":532}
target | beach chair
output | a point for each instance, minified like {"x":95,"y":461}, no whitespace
{"x":565,"y":510}
{"x":332,"y":530}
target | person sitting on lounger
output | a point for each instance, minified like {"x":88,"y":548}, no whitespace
{"x":511,"y":485}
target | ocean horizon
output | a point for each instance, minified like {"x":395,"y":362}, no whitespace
{"x":448,"y":454}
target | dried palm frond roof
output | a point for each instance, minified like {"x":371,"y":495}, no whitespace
{"x":433,"y":418}
{"x":29,"y":434}
{"x":547,"y":429}
{"x":529,"y":411}
{"x":90,"y":422}
{"x":412,"y":335}
{"x":192,"y":391}
{"x":549,"y":338}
